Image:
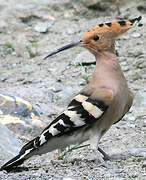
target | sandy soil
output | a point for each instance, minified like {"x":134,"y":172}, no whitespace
{"x":50,"y":84}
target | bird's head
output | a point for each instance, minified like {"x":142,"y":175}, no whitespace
{"x":102,"y":37}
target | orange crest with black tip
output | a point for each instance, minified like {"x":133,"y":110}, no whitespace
{"x":102,"y":37}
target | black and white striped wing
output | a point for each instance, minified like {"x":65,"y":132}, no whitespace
{"x":82,"y":111}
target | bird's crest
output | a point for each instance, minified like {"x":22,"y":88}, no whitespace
{"x":116,"y":28}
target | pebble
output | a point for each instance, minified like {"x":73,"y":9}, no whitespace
{"x":69,"y":31}
{"x":57,"y":88}
{"x":133,"y":134}
{"x":144,"y":164}
{"x":92,"y":4}
{"x":38,"y":123}
{"x":82,"y":83}
{"x":137,"y":150}
{"x":131,"y":125}
{"x":43,"y":27}
{"x":135,"y":35}
{"x":131,"y":118}
{"x":123,"y":63}
{"x":68,"y":178}
{"x":125,"y":37}
{"x":125,"y":68}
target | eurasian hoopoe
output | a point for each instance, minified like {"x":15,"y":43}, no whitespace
{"x":103,"y":102}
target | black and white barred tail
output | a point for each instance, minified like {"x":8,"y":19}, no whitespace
{"x":25,"y":153}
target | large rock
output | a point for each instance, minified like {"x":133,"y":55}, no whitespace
{"x":19,"y":115}
{"x":9,"y":146}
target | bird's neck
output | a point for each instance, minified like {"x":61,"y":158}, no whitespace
{"x":107,"y":71}
{"x":108,"y":61}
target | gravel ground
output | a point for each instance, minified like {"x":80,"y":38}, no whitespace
{"x":29,"y":30}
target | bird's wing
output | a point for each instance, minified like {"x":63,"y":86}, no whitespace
{"x":81,"y":111}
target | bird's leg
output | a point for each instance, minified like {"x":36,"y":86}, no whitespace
{"x":105,"y":156}
{"x":99,"y":158}
{"x":94,"y":145}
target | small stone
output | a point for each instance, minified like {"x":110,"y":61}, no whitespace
{"x":124,"y":63}
{"x":89,"y":3}
{"x":43,"y":27}
{"x":68,"y":178}
{"x":3,"y":79}
{"x":135,"y":35}
{"x":125,"y":68}
{"x":131,"y":118}
{"x":38,"y":123}
{"x":144,"y":164}
{"x":125,"y":37}
{"x":131,"y":125}
{"x":117,"y":45}
{"x":57,"y":88}
{"x":82,"y":83}
{"x":69,"y":31}
{"x":137,"y":150}
{"x":142,"y":154}
{"x":133,"y":134}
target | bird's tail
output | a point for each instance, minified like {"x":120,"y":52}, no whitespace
{"x":26,"y":152}
{"x":17,"y":160}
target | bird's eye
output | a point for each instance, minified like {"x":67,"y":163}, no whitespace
{"x":96,"y":38}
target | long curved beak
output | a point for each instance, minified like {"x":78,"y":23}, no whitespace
{"x":68,"y":46}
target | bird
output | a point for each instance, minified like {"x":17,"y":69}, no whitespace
{"x":101,"y":103}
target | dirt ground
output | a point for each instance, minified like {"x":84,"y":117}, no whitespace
{"x":29,"y":30}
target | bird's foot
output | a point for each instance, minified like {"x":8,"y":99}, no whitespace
{"x":99,"y":159}
{"x":102,"y":161}
{"x":105,"y":155}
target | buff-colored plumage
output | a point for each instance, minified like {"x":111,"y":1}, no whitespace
{"x":103,"y":102}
